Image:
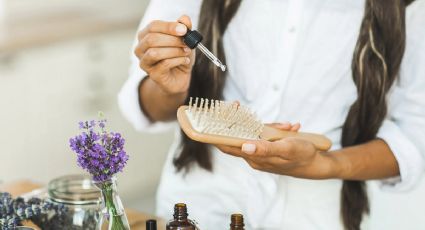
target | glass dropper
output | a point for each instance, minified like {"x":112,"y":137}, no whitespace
{"x":193,"y":40}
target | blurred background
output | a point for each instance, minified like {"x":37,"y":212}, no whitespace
{"x":62,"y":62}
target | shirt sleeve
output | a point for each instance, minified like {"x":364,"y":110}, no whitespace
{"x":128,"y":97}
{"x":404,"y":128}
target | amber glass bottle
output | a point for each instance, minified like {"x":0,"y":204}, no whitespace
{"x":151,"y":225}
{"x":180,"y":221}
{"x":236,"y":222}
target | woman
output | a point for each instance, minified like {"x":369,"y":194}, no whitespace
{"x":340,"y":68}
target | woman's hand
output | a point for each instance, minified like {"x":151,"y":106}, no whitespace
{"x":164,"y":56}
{"x":290,"y":156}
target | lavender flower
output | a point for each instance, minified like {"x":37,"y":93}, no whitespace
{"x":14,"y":211}
{"x":99,"y":152}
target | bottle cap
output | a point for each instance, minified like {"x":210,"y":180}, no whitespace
{"x":192,"y":38}
{"x":151,"y":225}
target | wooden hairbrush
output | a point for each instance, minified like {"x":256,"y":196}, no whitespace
{"x":227,"y":123}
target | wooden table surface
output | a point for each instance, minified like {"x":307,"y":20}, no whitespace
{"x":137,"y":219}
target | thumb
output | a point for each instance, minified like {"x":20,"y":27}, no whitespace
{"x":281,"y":148}
{"x":184,"y":19}
{"x":259,"y":148}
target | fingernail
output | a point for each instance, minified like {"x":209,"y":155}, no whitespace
{"x":187,"y":60}
{"x":248,"y":148}
{"x":181,"y":29}
{"x":186,"y":49}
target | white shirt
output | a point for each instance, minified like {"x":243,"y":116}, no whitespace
{"x":289,"y":60}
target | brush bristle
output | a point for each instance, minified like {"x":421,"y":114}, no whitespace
{"x":223,"y":118}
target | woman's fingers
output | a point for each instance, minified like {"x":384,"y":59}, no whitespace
{"x":283,"y":126}
{"x":296,"y":127}
{"x":286,"y":126}
{"x":158,"y":40}
{"x":155,"y":55}
{"x":163,"y":27}
{"x":249,"y":148}
{"x":268,"y":164}
{"x":178,"y":28}
{"x":262,"y":155}
{"x":230,"y":150}
{"x":184,"y":19}
{"x":263,"y":148}
{"x":165,"y":65}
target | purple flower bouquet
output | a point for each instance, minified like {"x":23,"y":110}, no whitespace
{"x":102,"y":154}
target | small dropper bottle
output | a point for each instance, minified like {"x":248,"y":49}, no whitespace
{"x":237,"y":222}
{"x":193,"y":40}
{"x":180,"y":221}
{"x":151,"y":225}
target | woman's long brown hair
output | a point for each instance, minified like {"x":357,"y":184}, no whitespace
{"x":375,"y":66}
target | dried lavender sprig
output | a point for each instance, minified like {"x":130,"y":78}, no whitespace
{"x":6,"y":207}
{"x":14,"y":211}
{"x":9,"y":222}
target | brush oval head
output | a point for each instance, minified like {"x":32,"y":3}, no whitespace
{"x":219,"y":122}
{"x":228,"y":123}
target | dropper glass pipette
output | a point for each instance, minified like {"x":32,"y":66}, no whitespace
{"x":193,"y":40}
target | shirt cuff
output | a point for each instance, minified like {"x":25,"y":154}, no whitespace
{"x":409,"y":159}
{"x":128,"y":101}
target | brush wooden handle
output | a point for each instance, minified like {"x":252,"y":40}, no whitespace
{"x":272,"y":134}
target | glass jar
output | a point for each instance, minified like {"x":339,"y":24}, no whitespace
{"x":82,"y":201}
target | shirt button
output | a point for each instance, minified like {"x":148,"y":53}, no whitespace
{"x":292,"y":29}
{"x":275,"y":87}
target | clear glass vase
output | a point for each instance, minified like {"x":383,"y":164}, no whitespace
{"x":113,"y":210}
